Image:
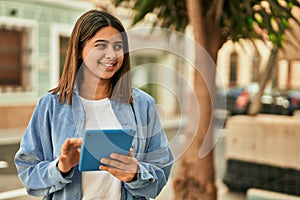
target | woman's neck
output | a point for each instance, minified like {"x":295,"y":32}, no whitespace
{"x":95,"y":91}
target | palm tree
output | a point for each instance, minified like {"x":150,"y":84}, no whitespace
{"x":214,"y":22}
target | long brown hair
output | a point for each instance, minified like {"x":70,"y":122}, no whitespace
{"x":85,"y":28}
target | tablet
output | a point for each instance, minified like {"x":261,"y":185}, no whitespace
{"x":99,"y":144}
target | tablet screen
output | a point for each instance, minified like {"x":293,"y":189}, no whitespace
{"x":98,"y":144}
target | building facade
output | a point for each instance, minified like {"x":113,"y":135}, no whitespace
{"x":33,"y":38}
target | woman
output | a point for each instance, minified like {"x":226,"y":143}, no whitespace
{"x":94,"y":92}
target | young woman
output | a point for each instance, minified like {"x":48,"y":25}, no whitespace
{"x":94,"y":92}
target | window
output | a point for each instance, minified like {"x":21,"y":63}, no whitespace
{"x":160,"y":74}
{"x":59,"y":39}
{"x":14,"y":56}
{"x":233,"y":69}
{"x":150,"y":74}
{"x":255,"y":72}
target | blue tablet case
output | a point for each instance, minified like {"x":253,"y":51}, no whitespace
{"x":98,"y":144}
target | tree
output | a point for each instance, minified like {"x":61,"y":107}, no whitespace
{"x":214,"y":22}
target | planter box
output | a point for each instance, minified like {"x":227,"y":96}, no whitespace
{"x":263,"y":152}
{"x":257,"y":194}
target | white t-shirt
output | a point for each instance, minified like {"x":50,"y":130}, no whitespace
{"x":98,"y":185}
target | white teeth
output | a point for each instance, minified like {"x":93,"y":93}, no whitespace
{"x":107,"y":65}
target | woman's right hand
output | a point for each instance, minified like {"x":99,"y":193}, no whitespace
{"x":69,"y":156}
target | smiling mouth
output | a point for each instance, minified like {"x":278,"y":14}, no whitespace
{"x":108,"y":64}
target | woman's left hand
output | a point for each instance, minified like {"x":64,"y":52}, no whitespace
{"x":121,"y":166}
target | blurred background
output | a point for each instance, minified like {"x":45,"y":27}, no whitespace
{"x":256,"y":154}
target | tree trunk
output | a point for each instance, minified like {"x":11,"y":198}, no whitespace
{"x":256,"y":103}
{"x":195,"y":177}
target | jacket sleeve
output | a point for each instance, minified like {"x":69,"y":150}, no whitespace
{"x":37,"y":169}
{"x":155,"y":166}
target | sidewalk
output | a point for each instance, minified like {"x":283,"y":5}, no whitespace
{"x":220,"y":164}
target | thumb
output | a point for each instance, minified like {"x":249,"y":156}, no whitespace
{"x":130,"y":152}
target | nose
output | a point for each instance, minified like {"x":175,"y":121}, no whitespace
{"x":110,"y":53}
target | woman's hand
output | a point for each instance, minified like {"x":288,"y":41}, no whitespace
{"x":69,"y":156}
{"x":121,"y":166}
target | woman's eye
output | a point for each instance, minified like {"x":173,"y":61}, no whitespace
{"x":101,"y":46}
{"x":118,"y":47}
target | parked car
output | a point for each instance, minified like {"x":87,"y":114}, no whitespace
{"x":238,"y":100}
{"x":294,"y":98}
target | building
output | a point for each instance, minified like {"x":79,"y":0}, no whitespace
{"x":240,"y":63}
{"x":33,"y":38}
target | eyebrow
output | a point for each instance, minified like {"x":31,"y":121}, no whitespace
{"x":101,"y":41}
{"x":106,"y":41}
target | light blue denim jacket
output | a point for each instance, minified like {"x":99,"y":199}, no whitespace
{"x":52,"y":123}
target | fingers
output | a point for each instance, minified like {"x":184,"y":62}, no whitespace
{"x":123,"y":162}
{"x":126,"y":167}
{"x":122,"y":158}
{"x":123,"y":176}
{"x":76,"y":142}
{"x":121,"y":166}
{"x":69,"y":154}
{"x":71,"y":143}
{"x":105,"y":168}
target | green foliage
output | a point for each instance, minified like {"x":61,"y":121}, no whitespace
{"x":253,"y":19}
{"x":171,"y":13}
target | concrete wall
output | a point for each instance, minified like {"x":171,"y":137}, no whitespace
{"x":14,"y":116}
{"x":264,"y":139}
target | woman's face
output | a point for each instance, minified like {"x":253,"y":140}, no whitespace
{"x":103,"y":54}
